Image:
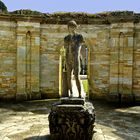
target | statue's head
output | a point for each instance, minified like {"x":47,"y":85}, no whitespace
{"x":72,"y":25}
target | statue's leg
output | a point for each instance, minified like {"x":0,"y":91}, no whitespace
{"x":76,"y":74}
{"x":78,"y":84}
{"x":69,"y":71}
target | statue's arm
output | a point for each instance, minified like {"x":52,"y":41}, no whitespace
{"x":65,"y":42}
{"x":64,"y":54}
{"x":82,"y":41}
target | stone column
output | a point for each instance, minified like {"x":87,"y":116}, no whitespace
{"x":136,"y":65}
{"x":127,"y":77}
{"x":21,"y":67}
{"x":35,"y":69}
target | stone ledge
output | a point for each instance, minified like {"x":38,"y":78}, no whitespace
{"x":69,"y":108}
{"x":68,"y":100}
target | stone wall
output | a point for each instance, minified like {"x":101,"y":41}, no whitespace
{"x":51,"y":43}
{"x":136,"y":63}
{"x":113,"y":62}
{"x":7,"y":59}
{"x":30,"y":52}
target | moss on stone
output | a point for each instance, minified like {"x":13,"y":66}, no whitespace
{"x":79,"y":17}
{"x":26,"y":12}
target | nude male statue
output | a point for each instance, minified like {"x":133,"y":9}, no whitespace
{"x":72,"y":46}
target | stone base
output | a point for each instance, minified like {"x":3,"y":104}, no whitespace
{"x":137,"y":98}
{"x":113,"y":97}
{"x":21,"y":97}
{"x":72,"y":119}
{"x":7,"y":97}
{"x":49,"y":95}
{"x":127,"y":98}
{"x":35,"y":96}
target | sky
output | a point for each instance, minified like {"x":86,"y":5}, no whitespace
{"x":87,"y":6}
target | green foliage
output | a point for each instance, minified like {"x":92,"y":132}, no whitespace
{"x":26,"y":12}
{"x":85,"y":85}
{"x":3,"y":8}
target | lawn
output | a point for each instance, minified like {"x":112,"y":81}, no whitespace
{"x":85,"y":85}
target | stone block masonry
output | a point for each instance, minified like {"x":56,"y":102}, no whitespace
{"x":7,"y":60}
{"x":30,"y":54}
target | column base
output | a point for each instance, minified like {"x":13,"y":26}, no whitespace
{"x":21,"y":97}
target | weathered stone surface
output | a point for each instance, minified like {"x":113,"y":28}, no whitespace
{"x":70,"y":120}
{"x":67,"y":100}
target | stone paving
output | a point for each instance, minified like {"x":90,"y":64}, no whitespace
{"x":116,"y":123}
{"x":29,"y":121}
{"x":25,"y":121}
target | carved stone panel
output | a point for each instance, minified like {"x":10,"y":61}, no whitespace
{"x":71,"y":121}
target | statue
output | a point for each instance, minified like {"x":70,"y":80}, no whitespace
{"x":72,"y":46}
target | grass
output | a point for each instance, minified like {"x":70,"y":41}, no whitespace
{"x":85,"y":85}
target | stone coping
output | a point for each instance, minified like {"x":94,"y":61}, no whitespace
{"x":69,"y":108}
{"x":73,"y":104}
{"x":64,"y":17}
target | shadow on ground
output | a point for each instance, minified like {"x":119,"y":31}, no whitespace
{"x":45,"y":137}
{"x":114,"y":121}
{"x":28,"y":120}
{"x":36,"y":106}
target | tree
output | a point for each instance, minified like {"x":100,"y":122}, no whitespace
{"x":3,"y":7}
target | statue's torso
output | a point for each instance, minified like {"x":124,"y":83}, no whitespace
{"x":73,"y":47}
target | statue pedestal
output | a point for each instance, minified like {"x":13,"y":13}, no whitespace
{"x":72,"y":119}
